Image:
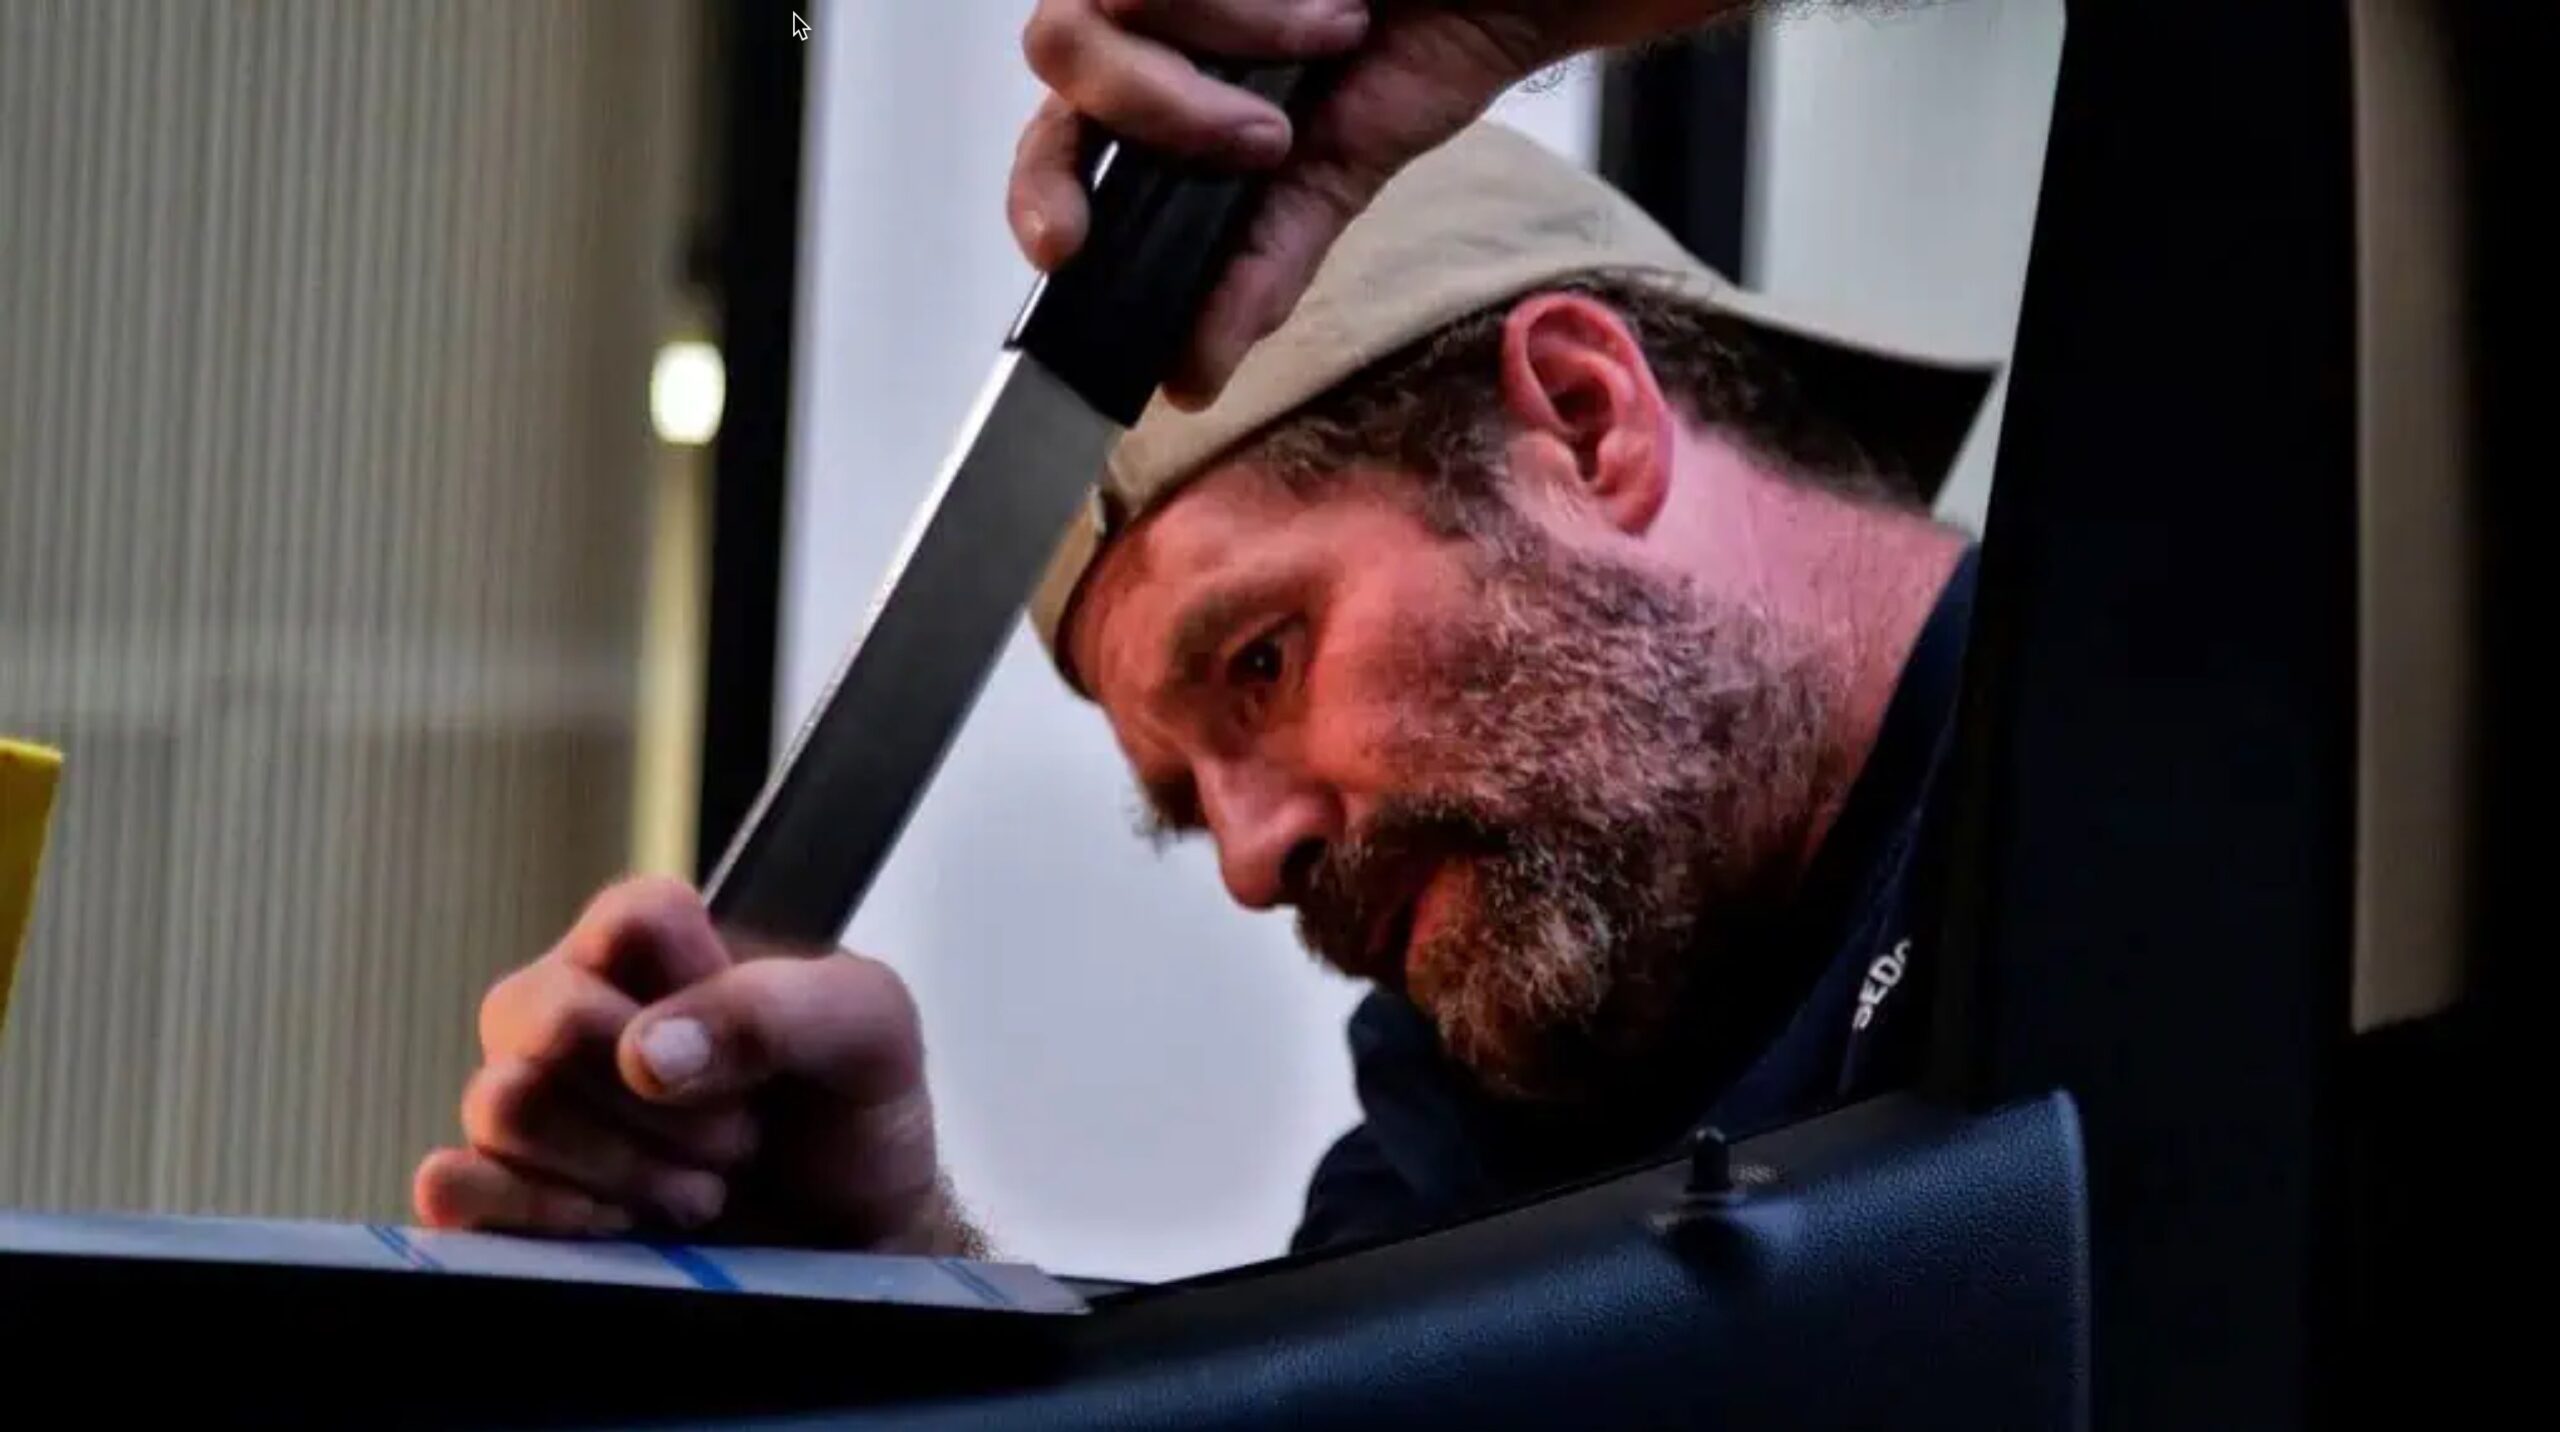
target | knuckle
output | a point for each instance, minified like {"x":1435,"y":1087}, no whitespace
{"x":1120,"y":94}
{"x":551,"y":1026}
{"x":648,"y":927}
{"x":747,"y":1018}
{"x":641,"y":900}
{"x":657,"y":897}
{"x":1042,"y":134}
{"x":496,"y":1006}
{"x":647,"y":906}
{"x":1054,"y":42}
{"x":791,"y":1000}
{"x":534,"y":1013}
{"x":500,"y":1105}
{"x":877,"y":983}
{"x":606,"y":905}
{"x":887,"y":1009}
{"x":666,"y":924}
{"x":766,"y":1008}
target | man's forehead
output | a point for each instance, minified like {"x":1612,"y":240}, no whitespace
{"x":1216,"y":522}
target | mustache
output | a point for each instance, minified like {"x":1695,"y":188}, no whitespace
{"x":1352,"y":887}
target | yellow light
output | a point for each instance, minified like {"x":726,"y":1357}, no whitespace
{"x":688,"y":386}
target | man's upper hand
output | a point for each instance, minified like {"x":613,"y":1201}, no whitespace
{"x":643,"y":1072}
{"x":1415,"y":75}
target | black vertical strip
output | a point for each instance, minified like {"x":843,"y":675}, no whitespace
{"x":1675,"y":136}
{"x":2151,"y":903}
{"x":2426,"y":1345}
{"x":755,"y":255}
{"x":2502,"y":58}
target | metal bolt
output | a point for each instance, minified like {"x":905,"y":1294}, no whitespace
{"x":1710,"y":1163}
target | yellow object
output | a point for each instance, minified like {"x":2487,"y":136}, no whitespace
{"x":27,"y":775}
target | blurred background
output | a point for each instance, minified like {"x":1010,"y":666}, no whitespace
{"x":445,"y":447}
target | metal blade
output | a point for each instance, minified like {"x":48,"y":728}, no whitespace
{"x":827,"y":820}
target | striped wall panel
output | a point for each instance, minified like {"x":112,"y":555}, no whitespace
{"x":324,"y":333}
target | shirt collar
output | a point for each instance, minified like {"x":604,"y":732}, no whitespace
{"x":1784,"y":1046}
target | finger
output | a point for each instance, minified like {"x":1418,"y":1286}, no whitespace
{"x":460,"y":1188}
{"x":1249,"y":29}
{"x":1144,"y":90}
{"x":1301,"y":216}
{"x":646,"y":937}
{"x":555,"y":1013}
{"x":1413,"y":91}
{"x":1423,"y":74}
{"x":843,"y":1023}
{"x":566,"y":1024}
{"x":1046,"y":200}
{"x":512,"y":1114}
{"x":713,"y":1136}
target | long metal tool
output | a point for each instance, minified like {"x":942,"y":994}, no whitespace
{"x":1091,"y":346}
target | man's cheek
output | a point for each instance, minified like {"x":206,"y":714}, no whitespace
{"x":1388,"y":755}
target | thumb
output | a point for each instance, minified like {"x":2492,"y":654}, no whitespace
{"x":840,"y":1022}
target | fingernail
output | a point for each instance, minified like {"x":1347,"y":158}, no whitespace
{"x":1035,"y":228}
{"x":1261,"y":139}
{"x":676,"y":1051}
{"x":689,"y":1198}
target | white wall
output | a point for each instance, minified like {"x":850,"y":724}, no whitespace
{"x":1134,"y":1077}
{"x":1896,"y":158}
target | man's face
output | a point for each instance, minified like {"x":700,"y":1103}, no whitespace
{"x":1516,"y":776}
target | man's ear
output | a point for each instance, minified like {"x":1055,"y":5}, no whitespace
{"x":1580,"y":391}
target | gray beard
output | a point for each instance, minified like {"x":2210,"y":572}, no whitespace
{"x":1621,"y":768}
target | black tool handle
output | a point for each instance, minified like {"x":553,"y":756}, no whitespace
{"x":1112,"y":320}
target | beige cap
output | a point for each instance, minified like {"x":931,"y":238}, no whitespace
{"x":1490,"y":216}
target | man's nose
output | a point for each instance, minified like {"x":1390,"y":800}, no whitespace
{"x":1270,"y":829}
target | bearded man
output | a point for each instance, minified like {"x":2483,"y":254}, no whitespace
{"x":1559,"y":631}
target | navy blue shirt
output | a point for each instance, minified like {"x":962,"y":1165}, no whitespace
{"x":1829,"y":1017}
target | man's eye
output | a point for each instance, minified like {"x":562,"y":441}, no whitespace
{"x":1258,"y":662}
{"x":1255,"y":662}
